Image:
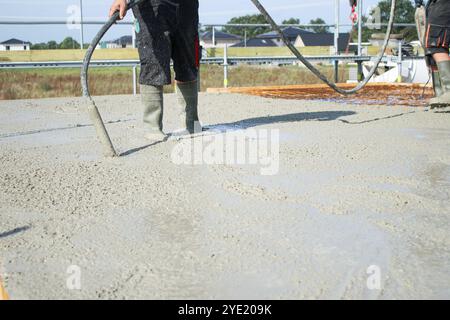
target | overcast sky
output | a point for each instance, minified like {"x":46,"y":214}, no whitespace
{"x":211,"y":11}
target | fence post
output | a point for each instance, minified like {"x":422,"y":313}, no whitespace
{"x":135,"y":79}
{"x":399,"y":62}
{"x":360,"y":70}
{"x":336,"y":39}
{"x":336,"y":71}
{"x":225,"y":66}
{"x":360,"y":16}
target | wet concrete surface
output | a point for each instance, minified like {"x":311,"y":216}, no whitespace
{"x":358,"y":186}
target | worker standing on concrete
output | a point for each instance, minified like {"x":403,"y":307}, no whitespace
{"x":166,"y":30}
{"x":437,"y":39}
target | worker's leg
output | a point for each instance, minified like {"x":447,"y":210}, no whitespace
{"x":435,"y":76}
{"x":152,"y":100}
{"x":421,"y":25}
{"x":436,"y":79}
{"x":441,"y":57}
{"x":443,"y":64}
{"x":187,"y":96}
{"x":437,"y":39}
{"x":155,"y":21}
{"x":186,"y":56}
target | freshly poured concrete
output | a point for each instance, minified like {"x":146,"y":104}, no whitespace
{"x":360,"y":188}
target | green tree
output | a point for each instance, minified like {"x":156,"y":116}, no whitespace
{"x":318,"y":29}
{"x":251,"y":31}
{"x":291,"y":21}
{"x":39,"y":46}
{"x":69,"y":43}
{"x":404,"y":14}
{"x":45,"y":46}
{"x":52,"y":45}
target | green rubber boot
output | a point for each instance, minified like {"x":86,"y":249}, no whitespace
{"x":437,"y":85}
{"x":152,"y":100}
{"x":187,"y":96}
{"x":442,"y":101}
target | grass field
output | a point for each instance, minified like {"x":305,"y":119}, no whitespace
{"x":59,"y":82}
{"x":67,"y":55}
{"x":132,"y":54}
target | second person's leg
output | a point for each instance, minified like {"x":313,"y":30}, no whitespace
{"x":437,"y":39}
{"x":155,"y":23}
{"x":186,"y":58}
{"x":187,"y":97}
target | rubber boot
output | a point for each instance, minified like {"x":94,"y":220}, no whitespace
{"x":152,"y":100}
{"x":187,"y":96}
{"x":437,"y":85}
{"x":443,"y":101}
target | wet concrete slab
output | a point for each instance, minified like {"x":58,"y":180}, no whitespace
{"x":359,"y":187}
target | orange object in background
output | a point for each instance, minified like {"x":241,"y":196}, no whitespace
{"x":3,"y":294}
{"x":406,"y":94}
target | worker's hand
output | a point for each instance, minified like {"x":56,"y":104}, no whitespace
{"x":121,"y":6}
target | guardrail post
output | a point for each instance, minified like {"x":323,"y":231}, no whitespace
{"x":336,"y":39}
{"x":336,"y":71}
{"x":360,"y":70}
{"x":135,"y":79}
{"x":360,"y":25}
{"x":225,"y":67}
{"x":399,"y":62}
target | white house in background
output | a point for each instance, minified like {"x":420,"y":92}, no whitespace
{"x":14,"y":45}
{"x":122,"y":42}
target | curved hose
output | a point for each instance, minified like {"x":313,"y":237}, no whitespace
{"x":94,"y":43}
{"x":313,"y":69}
{"x":94,"y":114}
{"x":96,"y":118}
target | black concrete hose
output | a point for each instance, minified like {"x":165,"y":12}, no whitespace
{"x":94,"y":114}
{"x":313,"y":69}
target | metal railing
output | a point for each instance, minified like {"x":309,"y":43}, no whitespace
{"x":213,"y":60}
{"x":224,"y":61}
{"x":216,"y":25}
{"x":286,"y":60}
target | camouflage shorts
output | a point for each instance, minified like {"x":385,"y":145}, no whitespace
{"x":167,"y":30}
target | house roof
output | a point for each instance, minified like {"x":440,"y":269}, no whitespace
{"x":219,"y":35}
{"x":290,"y":32}
{"x":255,"y":42}
{"x":325,"y":39}
{"x":15,"y":41}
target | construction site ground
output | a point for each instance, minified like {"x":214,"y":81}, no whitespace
{"x":362,"y":193}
